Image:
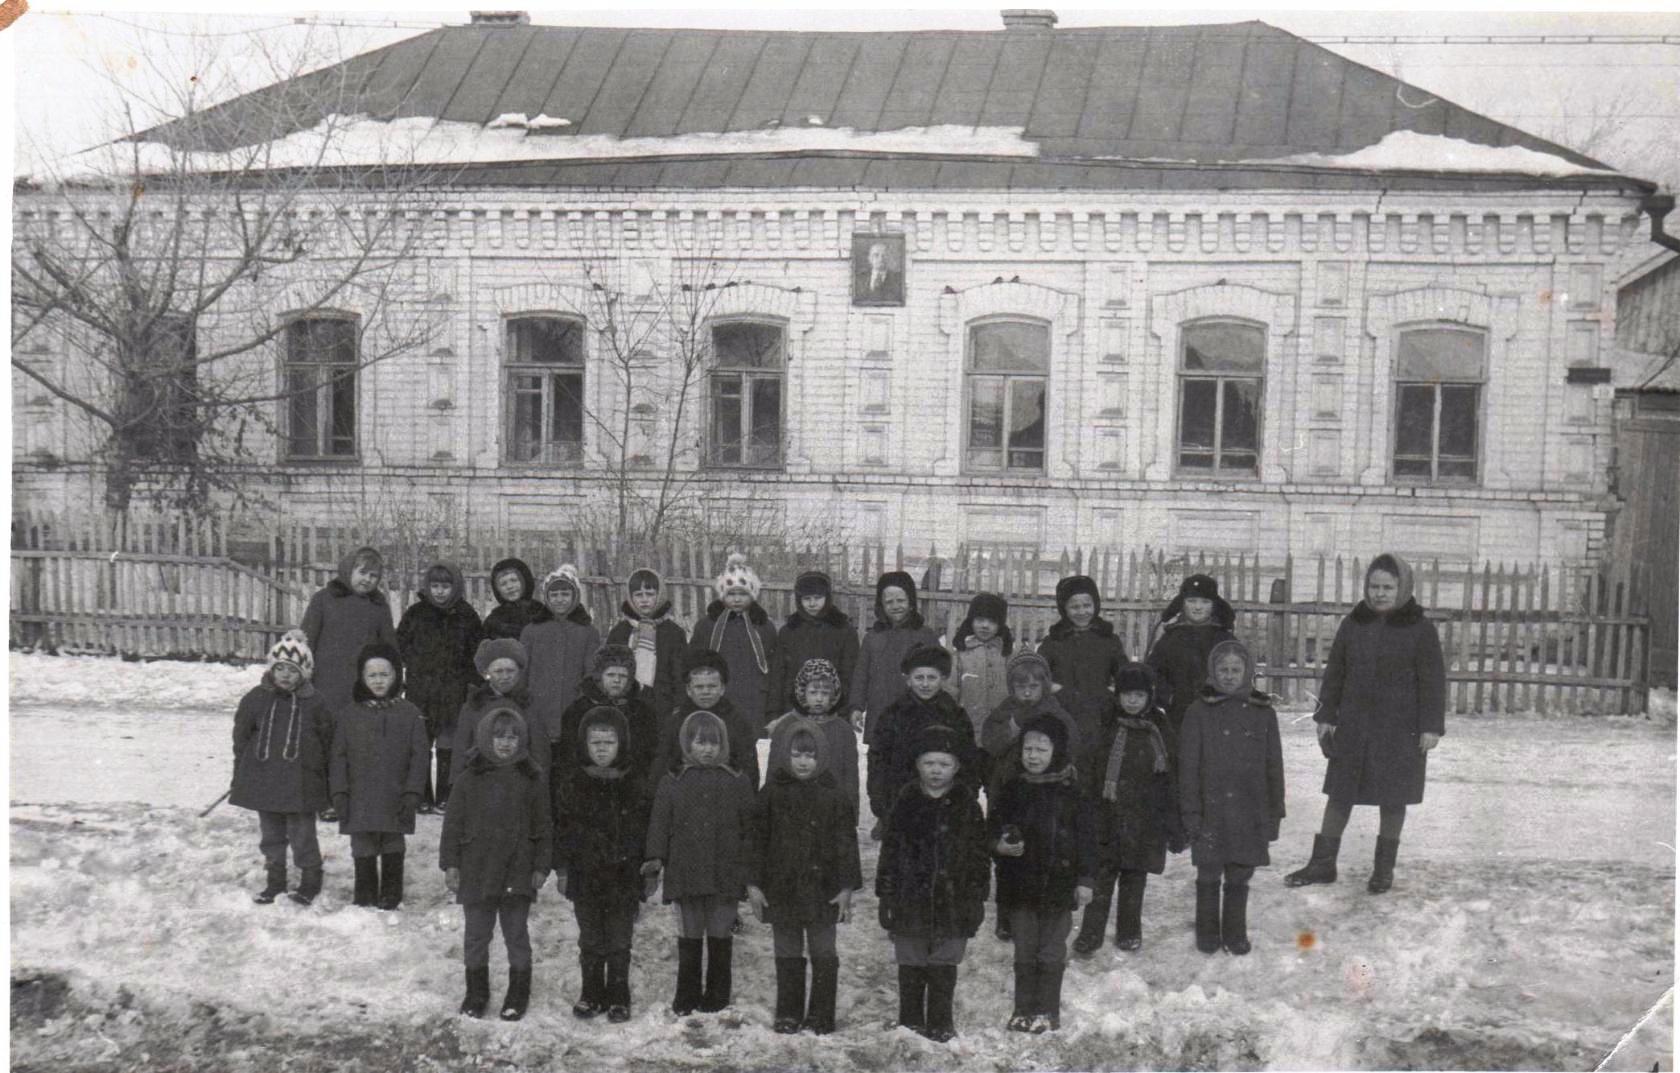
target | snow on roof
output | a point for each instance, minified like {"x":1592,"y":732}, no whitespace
{"x":1407,"y":150}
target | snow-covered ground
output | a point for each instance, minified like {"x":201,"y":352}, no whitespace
{"x":1531,"y":926}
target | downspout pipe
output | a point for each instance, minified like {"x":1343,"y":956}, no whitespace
{"x":1659,"y":206}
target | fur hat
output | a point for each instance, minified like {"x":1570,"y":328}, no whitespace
{"x":986,"y":605}
{"x":816,"y":672}
{"x":813,"y":583}
{"x":737,"y":575}
{"x":896,"y":579}
{"x":643,"y":578}
{"x":494,"y":648}
{"x":370,"y":652}
{"x":1135,"y":677}
{"x":1205,"y":587}
{"x":612,"y":656}
{"x":485,"y":730}
{"x":527,"y":583}
{"x":927,"y":655}
{"x":293,"y":648}
{"x":564,"y":574}
{"x":939,"y":738}
{"x":1027,"y":663}
{"x":706,"y":660}
{"x":1069,"y":587}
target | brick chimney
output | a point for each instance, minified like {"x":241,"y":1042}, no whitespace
{"x":501,"y":18}
{"x":1024,"y":18}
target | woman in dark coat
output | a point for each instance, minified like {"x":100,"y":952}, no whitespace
{"x":516,"y":607}
{"x":437,"y":637}
{"x":1197,"y":619}
{"x":825,"y":633}
{"x":1381,"y":709}
{"x":1084,"y":654}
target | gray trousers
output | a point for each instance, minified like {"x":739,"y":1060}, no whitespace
{"x":374,"y":843}
{"x":513,"y":912}
{"x":791,"y":940}
{"x":918,"y":952}
{"x":294,"y":829}
{"x":1040,"y":937}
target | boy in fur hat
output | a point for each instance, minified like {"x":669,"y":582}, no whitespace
{"x":802,"y":868}
{"x":376,"y":774}
{"x":601,"y":804}
{"x":1084,"y":654}
{"x":931,"y":880}
{"x":500,"y":661}
{"x":559,"y":653}
{"x":982,"y":646}
{"x":281,"y":739}
{"x":922,"y":702}
{"x":437,"y":638}
{"x":1137,"y":813}
{"x":1043,"y":833}
{"x":516,"y":607}
{"x":1197,"y":619}
{"x":816,"y":691}
{"x":739,"y":630}
{"x":611,"y":684}
{"x":347,"y":613}
{"x":877,"y":680}
{"x":648,"y":630}
{"x":702,"y":816}
{"x":1230,"y":793}
{"x":1031,"y":694}
{"x":816,"y":629}
{"x":706,"y":678}
{"x":494,"y":852}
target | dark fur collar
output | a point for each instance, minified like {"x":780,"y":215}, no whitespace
{"x":1407,"y":614}
{"x":1210,"y":695}
{"x":1061,"y":628}
{"x":339,"y":588}
{"x":831,"y":616}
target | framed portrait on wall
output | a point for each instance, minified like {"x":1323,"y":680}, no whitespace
{"x":877,"y":270}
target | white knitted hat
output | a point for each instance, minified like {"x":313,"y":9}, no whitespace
{"x":293,"y":648}
{"x":737,"y":575}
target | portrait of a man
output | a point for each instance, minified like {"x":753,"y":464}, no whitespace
{"x":877,"y":270}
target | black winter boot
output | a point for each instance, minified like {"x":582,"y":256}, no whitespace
{"x":1049,"y":997}
{"x":518,"y":994}
{"x":1207,"y":917}
{"x":1233,"y":919}
{"x":825,"y":989}
{"x":1026,"y":995}
{"x":276,"y":885}
{"x":689,"y":954}
{"x":1322,"y":867}
{"x":367,"y":882}
{"x":1095,"y":921}
{"x":941,"y":1003}
{"x":390,"y":880}
{"x":720,"y":974}
{"x":618,"y":988}
{"x":591,"y":1001}
{"x":308,"y":887}
{"x":1128,"y":923}
{"x":1382,"y":872}
{"x":478,"y":992}
{"x":790,"y":995}
{"x":912,"y":996}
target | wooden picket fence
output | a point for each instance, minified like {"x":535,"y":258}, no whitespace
{"x":1516,"y":637}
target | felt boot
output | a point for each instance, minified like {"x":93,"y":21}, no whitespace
{"x":1233,"y":919}
{"x":390,"y":880}
{"x":308,"y":888}
{"x":1207,"y":917}
{"x":689,"y":954}
{"x":1382,"y":872}
{"x":518,"y":994}
{"x":618,"y":988}
{"x":591,"y":1001}
{"x":478,"y":992}
{"x":275,"y":886}
{"x":1095,"y":920}
{"x":1026,"y":996}
{"x":1128,"y":919}
{"x":825,"y":990}
{"x":912,"y":996}
{"x":790,"y":995}
{"x":720,"y":974}
{"x":1049,"y":1016}
{"x":367,"y":882}
{"x":1321,"y":868}
{"x":941,"y":1003}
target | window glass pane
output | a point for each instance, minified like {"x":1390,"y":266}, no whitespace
{"x":545,"y":341}
{"x":766,"y":446}
{"x":746,"y":345}
{"x":1026,"y":424}
{"x":985,"y":412}
{"x":1009,"y":346}
{"x":344,"y":414}
{"x":1458,"y":431}
{"x":1239,"y":439}
{"x":726,"y":420}
{"x":1198,"y":403}
{"x":1414,"y":430}
{"x":301,"y":424}
{"x":1236,"y":348}
{"x":527,"y":419}
{"x":321,"y":339}
{"x":567,"y":423}
{"x":1439,"y":354}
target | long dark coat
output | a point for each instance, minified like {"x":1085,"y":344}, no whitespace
{"x":280,"y":746}
{"x":804,"y":848}
{"x":1057,"y":828}
{"x":1384,"y":684}
{"x":876,"y":678}
{"x":380,"y":753}
{"x":829,"y":636}
{"x":892,"y":750}
{"x":753,"y":691}
{"x":1230,"y":778}
{"x":1133,"y":830}
{"x":743,"y":741}
{"x":641,"y":724}
{"x":437,"y":646}
{"x":560,"y":653}
{"x":510,"y":617}
{"x":1179,"y":659}
{"x":339,"y":622}
{"x":497,"y":830}
{"x":600,"y":825}
{"x":934,"y":870}
{"x":700,"y":826}
{"x":1084,"y":663}
{"x":669,"y":646}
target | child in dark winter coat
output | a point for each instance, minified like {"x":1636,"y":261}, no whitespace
{"x":923,"y":702}
{"x":816,"y":630}
{"x":611,"y":684}
{"x":349,"y":612}
{"x":501,"y":662}
{"x":931,"y":880}
{"x":601,"y":804}
{"x":983,"y":645}
{"x":1042,"y":830}
{"x":495,"y":851}
{"x":559,"y":652}
{"x":1197,"y":619}
{"x":802,"y":869}
{"x":516,"y":608}
{"x":816,"y":691}
{"x":877,"y":680}
{"x":648,"y":630}
{"x":438,"y":636}
{"x":1084,"y":656}
{"x":1030,"y":695}
{"x":697,"y":836}
{"x":739,"y":630}
{"x":281,"y":738}
{"x":1230,"y":793}
{"x":706,"y":677}
{"x":377,"y":772}
{"x":1137,"y":813}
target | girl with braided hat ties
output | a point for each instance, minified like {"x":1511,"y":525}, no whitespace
{"x":739,"y":630}
{"x":1382,"y":708}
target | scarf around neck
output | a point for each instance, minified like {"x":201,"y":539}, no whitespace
{"x":1066,"y":774}
{"x":972,"y":641}
{"x":752,"y":636}
{"x":1111,"y":777}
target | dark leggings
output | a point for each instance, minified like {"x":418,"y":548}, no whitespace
{"x":1235,"y":875}
{"x":1392,"y":819}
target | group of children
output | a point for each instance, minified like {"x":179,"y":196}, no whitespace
{"x":631,"y":766}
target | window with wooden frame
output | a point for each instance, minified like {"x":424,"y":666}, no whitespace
{"x":1006,"y":386}
{"x":1438,"y":378}
{"x":320,"y":384}
{"x":544,"y":359}
{"x":1221,"y":382}
{"x":748,"y":379}
{"x":162,"y":397}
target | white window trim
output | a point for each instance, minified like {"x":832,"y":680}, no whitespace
{"x":797,"y":310}
{"x":1482,"y":401}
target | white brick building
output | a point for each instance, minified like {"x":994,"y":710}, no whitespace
{"x":1205,"y":287}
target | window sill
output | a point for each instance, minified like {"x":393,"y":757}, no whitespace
{"x":1216,"y":476}
{"x":1427,"y":482}
{"x":325,"y":462}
